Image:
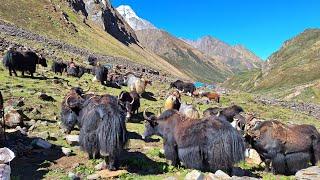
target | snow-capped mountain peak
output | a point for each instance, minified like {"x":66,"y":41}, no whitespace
{"x":133,"y":20}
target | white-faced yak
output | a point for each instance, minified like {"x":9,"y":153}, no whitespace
{"x":208,"y":144}
{"x":22,"y":61}
{"x":102,"y":125}
{"x":287,"y":148}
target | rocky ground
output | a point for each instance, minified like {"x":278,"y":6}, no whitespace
{"x":50,"y":48}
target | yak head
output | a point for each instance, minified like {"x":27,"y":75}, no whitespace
{"x":239,"y":123}
{"x":156,"y":125}
{"x":42,"y":61}
{"x":71,"y":107}
{"x":126,"y":101}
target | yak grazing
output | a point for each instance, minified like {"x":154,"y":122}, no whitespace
{"x":102,"y":124}
{"x":208,"y":144}
{"x":288,"y":148}
{"x":22,"y":61}
{"x":131,"y":102}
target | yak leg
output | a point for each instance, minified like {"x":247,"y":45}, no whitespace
{"x":171,"y":153}
{"x":267,"y":165}
{"x":10,"y":73}
{"x":113,"y":162}
{"x":22,"y":73}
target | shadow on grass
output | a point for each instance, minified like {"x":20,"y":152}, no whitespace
{"x":139,"y":163}
{"x":30,"y":163}
{"x":149,"y":96}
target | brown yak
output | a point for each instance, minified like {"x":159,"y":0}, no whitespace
{"x":287,"y":148}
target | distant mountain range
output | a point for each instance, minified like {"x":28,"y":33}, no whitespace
{"x":207,"y":58}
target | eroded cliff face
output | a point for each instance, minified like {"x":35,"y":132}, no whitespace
{"x":105,"y":16}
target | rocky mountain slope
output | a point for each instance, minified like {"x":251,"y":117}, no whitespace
{"x":133,"y":20}
{"x":178,"y":53}
{"x":292,"y":71}
{"x":73,"y":23}
{"x":183,"y":56}
{"x":237,"y":57}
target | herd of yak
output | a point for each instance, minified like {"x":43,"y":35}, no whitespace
{"x":209,"y":141}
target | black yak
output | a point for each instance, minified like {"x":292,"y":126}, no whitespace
{"x":227,"y":113}
{"x":1,"y":102}
{"x":102,"y":124}
{"x":131,"y":102}
{"x":76,"y":71}
{"x":185,"y":87}
{"x":208,"y":144}
{"x":59,"y":67}
{"x":287,"y":148}
{"x":101,"y":74}
{"x":23,"y":61}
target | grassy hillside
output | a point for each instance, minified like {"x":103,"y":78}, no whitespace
{"x":294,"y":69}
{"x":143,"y":160}
{"x":183,"y":56}
{"x":48,"y":18}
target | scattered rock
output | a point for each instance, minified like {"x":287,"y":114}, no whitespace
{"x":44,"y":123}
{"x":311,"y":173}
{"x":31,"y":128}
{"x":101,"y":166}
{"x":243,"y":178}
{"x":41,"y":144}
{"x":73,"y":176}
{"x":66,"y":151}
{"x":45,"y":97}
{"x":222,"y":175}
{"x":13,"y":118}
{"x":253,"y":156}
{"x":107,"y":174}
{"x":93,"y":176}
{"x":73,"y":140}
{"x":22,"y":130}
{"x":194,"y":175}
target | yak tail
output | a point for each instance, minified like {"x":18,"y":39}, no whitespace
{"x":227,"y":149}
{"x":112,"y":132}
{"x":7,"y":59}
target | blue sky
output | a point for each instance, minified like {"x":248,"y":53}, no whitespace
{"x":260,"y":25}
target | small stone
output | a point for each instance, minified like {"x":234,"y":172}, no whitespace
{"x":222,"y":174}
{"x":13,"y":118}
{"x":73,"y":176}
{"x":100,"y":166}
{"x":31,"y":128}
{"x":44,"y":123}
{"x":73,"y":140}
{"x":194,"y":175}
{"x":311,"y":173}
{"x":66,"y":151}
{"x":107,"y":174}
{"x":253,"y":156}
{"x":211,"y":176}
{"x":93,"y":176}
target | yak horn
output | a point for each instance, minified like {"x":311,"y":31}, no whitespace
{"x":132,"y":101}
{"x":67,"y":104}
{"x":120,"y":95}
{"x":145,"y":115}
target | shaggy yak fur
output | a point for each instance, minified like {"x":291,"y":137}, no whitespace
{"x":131,"y":102}
{"x":189,"y":111}
{"x":227,"y":113}
{"x":1,"y":103}
{"x":101,"y":74}
{"x":172,"y":102}
{"x":136,"y":84}
{"x":22,"y":61}
{"x":102,"y":125}
{"x":208,"y":144}
{"x":77,"y":71}
{"x":59,"y":67}
{"x":288,"y":148}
